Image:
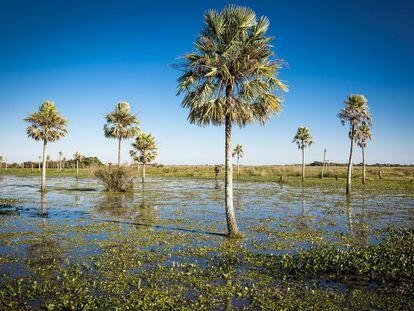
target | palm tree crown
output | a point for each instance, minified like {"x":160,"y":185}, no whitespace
{"x":232,"y":74}
{"x":303,"y":138}
{"x":355,"y":112}
{"x":78,"y":156}
{"x":362,"y":134}
{"x":144,"y":148}
{"x":238,"y":151}
{"x":121,"y":123}
{"x":46,"y":124}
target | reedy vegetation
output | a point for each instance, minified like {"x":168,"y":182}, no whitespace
{"x":46,"y":125}
{"x":231,"y":78}
{"x":303,"y":139}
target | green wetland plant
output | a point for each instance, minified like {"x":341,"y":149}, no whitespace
{"x":231,"y":79}
{"x":46,"y":125}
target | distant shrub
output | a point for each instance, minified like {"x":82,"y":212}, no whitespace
{"x":116,"y":180}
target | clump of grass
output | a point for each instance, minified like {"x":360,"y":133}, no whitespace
{"x":116,"y":180}
{"x":8,"y":203}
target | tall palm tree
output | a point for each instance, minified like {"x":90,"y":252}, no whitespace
{"x":40,"y":159}
{"x":78,"y":157}
{"x":121,"y":124}
{"x":231,"y":78}
{"x":303,"y":139}
{"x":238,"y":152}
{"x":355,"y":113}
{"x":60,"y":153}
{"x":362,"y":134}
{"x":46,"y":125}
{"x":144,"y":150}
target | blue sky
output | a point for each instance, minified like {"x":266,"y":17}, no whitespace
{"x":88,"y":55}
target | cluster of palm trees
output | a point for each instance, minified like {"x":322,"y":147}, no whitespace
{"x":47,"y":125}
{"x":230,"y":79}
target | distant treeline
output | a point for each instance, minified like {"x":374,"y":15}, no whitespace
{"x":84,"y":163}
{"x":319,"y":163}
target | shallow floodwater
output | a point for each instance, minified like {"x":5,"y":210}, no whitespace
{"x":264,"y":210}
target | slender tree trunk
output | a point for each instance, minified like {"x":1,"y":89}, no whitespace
{"x":39,"y":166}
{"x":233,"y":230}
{"x":323,"y":163}
{"x":119,"y":153}
{"x":238,"y":168}
{"x":77,"y":169}
{"x":349,"y":174}
{"x":43,"y":179}
{"x":303,"y":164}
{"x":143,"y":172}
{"x":363,"y":165}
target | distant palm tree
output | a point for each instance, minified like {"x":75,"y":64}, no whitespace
{"x":303,"y":139}
{"x":121,"y":124}
{"x":355,"y":113}
{"x":362,"y":134}
{"x":60,"y":153}
{"x":48,"y":158}
{"x":46,"y":125}
{"x":144,"y":150}
{"x":231,"y":78}
{"x":238,"y":152}
{"x":78,"y":157}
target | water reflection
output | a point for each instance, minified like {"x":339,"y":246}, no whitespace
{"x":43,"y":212}
{"x":302,"y":220}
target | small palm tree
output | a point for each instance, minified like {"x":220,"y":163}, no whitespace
{"x":121,"y":124}
{"x":48,"y":158}
{"x":60,"y":153}
{"x":231,"y":78}
{"x":78,"y":157}
{"x":144,"y":150}
{"x":46,"y":125}
{"x":362,"y":134}
{"x":355,"y":113}
{"x":303,"y":139}
{"x":238,"y":152}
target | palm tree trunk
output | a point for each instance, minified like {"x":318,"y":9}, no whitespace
{"x":143,"y":172}
{"x":303,"y":164}
{"x":363,"y":165}
{"x":43,"y":179}
{"x":39,"y":166}
{"x":233,"y":230}
{"x":77,"y":169}
{"x":349,"y":174}
{"x":238,"y":168}
{"x":119,"y":153}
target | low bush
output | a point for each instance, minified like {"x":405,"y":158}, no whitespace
{"x":116,"y":180}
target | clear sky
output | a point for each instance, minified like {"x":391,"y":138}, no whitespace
{"x":88,"y":55}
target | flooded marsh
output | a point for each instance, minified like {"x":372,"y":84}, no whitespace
{"x":164,"y":247}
